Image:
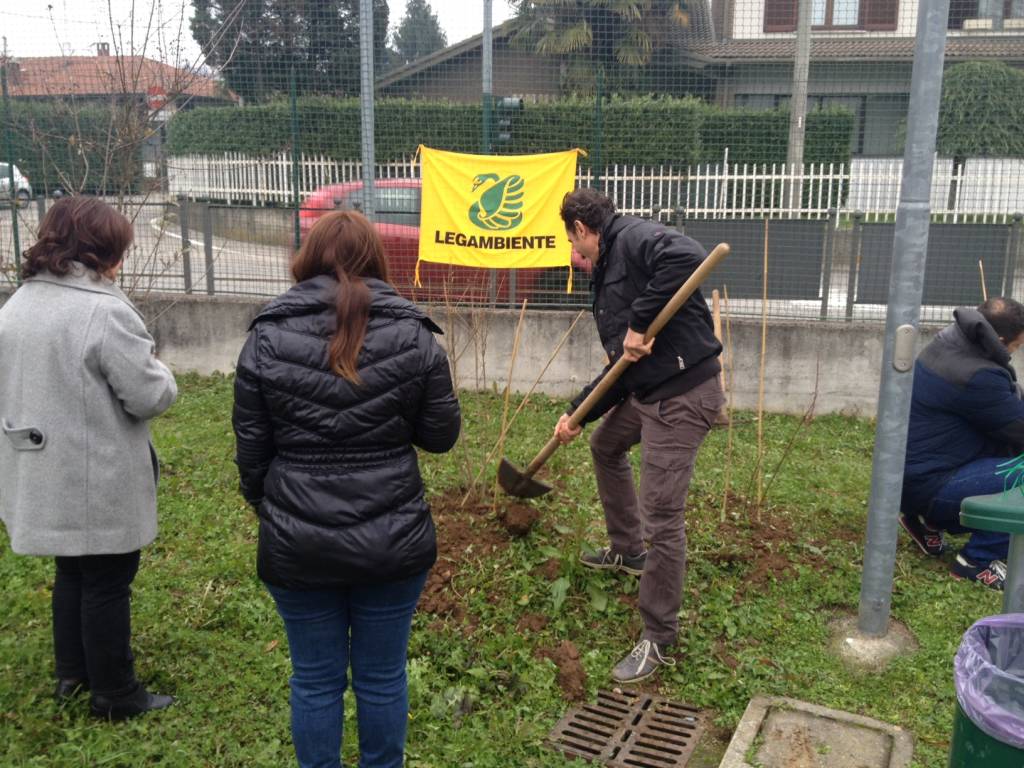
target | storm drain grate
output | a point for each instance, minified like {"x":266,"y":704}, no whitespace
{"x":627,"y":729}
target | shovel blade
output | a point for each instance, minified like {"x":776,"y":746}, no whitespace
{"x":515,"y":483}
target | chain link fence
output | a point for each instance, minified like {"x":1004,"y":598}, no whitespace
{"x":775,"y":125}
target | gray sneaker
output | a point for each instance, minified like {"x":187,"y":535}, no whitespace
{"x":642,"y":662}
{"x":607,"y":560}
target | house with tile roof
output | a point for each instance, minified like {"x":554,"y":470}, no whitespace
{"x":740,"y":53}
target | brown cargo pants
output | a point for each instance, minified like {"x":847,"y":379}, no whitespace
{"x":670,"y":432}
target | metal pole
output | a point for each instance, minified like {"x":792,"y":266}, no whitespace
{"x":910,"y":247}
{"x":9,"y":157}
{"x":798,"y":105}
{"x":293,"y":88}
{"x":208,"y":246}
{"x":829,"y":247}
{"x":1013,"y":590}
{"x":487,"y":70}
{"x":857,"y":235}
{"x":186,"y":242}
{"x":366,"y":103}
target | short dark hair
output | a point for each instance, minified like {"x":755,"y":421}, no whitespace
{"x":586,"y":205}
{"x":82,"y":229}
{"x":1005,"y":315}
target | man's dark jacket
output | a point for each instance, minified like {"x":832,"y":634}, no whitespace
{"x":329,"y":465}
{"x":641,"y":265}
{"x":966,"y":405}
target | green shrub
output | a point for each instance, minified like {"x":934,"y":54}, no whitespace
{"x":982,"y":110}
{"x":91,"y":147}
{"x":642,"y":131}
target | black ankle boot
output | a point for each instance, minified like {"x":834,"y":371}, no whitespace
{"x":69,"y":687}
{"x":132,"y":704}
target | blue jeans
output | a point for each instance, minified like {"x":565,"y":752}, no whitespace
{"x":974,"y":479}
{"x":366,"y":627}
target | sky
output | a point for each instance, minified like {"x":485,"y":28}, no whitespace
{"x":72,"y":27}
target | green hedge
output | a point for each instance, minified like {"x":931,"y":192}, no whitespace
{"x":982,"y":110}
{"x":73,"y":147}
{"x":644,"y":131}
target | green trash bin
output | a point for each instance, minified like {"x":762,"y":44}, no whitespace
{"x":973,"y":748}
{"x":1003,"y":512}
{"x":988,"y":672}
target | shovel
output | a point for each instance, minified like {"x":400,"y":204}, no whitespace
{"x":523,"y":484}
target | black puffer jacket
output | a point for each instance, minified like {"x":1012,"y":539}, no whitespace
{"x":330,"y":466}
{"x":641,"y":266}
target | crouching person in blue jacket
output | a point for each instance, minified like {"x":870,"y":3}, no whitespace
{"x":339,"y":381}
{"x":966,"y":418}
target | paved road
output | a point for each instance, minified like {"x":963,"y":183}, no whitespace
{"x":156,"y":261}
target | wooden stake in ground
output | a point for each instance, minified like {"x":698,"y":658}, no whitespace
{"x":500,"y":442}
{"x":716,"y":316}
{"x":727,"y":371}
{"x":508,"y":389}
{"x":759,"y":467}
{"x":984,"y":290}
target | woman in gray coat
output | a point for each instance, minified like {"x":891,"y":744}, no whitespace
{"x":78,"y":383}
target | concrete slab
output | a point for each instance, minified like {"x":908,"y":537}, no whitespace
{"x":778,"y":732}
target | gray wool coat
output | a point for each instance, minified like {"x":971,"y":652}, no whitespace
{"x":78,"y":383}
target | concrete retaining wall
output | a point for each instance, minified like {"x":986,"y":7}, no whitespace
{"x":841,"y":361}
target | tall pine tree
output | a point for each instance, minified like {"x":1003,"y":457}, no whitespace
{"x":419,"y":32}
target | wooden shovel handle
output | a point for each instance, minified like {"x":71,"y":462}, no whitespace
{"x":667,"y":312}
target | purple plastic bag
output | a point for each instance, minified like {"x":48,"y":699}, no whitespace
{"x":989,"y":675}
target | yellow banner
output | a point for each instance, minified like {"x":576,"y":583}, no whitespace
{"x":495,"y":211}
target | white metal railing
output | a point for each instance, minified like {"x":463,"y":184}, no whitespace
{"x":984,"y":190}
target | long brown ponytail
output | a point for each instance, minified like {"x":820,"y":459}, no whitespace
{"x":345,"y":244}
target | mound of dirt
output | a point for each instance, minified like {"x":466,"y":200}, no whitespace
{"x":468,"y":533}
{"x":531,"y":622}
{"x":518,"y":519}
{"x":572,"y":678}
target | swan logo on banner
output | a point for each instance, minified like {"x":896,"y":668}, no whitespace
{"x":499,"y":205}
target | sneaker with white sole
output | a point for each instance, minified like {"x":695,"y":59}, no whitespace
{"x":992,"y":574}
{"x":929,"y":540}
{"x":606,"y":559}
{"x":642,"y":662}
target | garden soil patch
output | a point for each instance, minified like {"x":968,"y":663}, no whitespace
{"x":760,"y":543}
{"x":467,"y":534}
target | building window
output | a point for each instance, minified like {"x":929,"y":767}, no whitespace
{"x":780,"y":15}
{"x":961,"y":10}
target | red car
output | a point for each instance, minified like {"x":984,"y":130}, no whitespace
{"x":398,"y":222}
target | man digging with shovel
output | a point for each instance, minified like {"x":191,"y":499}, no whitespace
{"x":666,"y":401}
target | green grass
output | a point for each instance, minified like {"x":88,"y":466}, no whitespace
{"x":481,"y":696}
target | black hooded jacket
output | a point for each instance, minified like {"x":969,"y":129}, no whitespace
{"x":331,"y":466}
{"x":641,"y":265}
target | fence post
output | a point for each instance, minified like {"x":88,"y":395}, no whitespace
{"x":9,"y":155}
{"x":41,"y":207}
{"x":208,"y":246}
{"x":1012,"y":255}
{"x":186,"y":243}
{"x":366,"y":105}
{"x":851,"y":277}
{"x":830,"y":247}
{"x":596,"y":161}
{"x":293,"y":87}
{"x":486,"y":77}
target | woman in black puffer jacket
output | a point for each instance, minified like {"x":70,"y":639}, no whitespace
{"x":338,"y":381}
